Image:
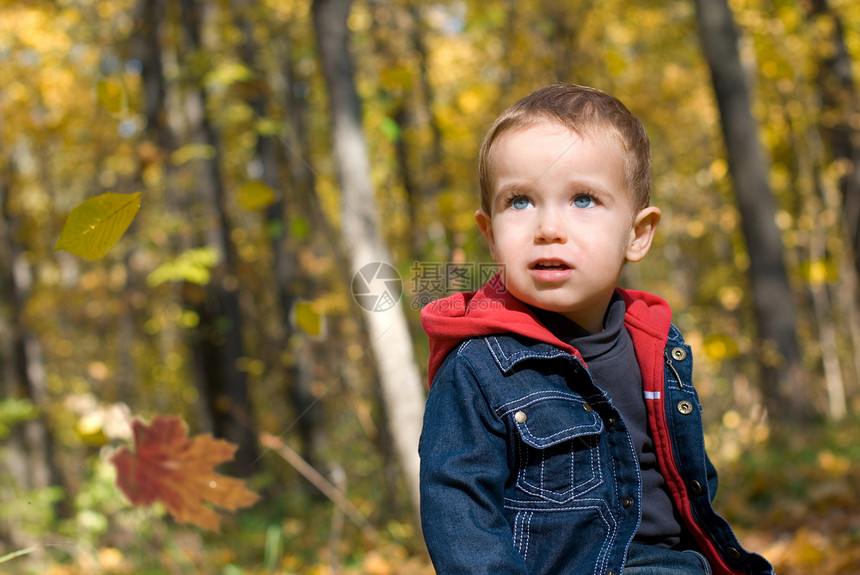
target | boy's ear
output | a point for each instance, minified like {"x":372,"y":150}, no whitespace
{"x":485,"y":224}
{"x":642,"y":233}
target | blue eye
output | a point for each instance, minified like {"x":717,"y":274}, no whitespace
{"x":520,"y":203}
{"x":583,"y":201}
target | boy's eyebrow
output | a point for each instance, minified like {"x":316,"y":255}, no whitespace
{"x":513,"y":188}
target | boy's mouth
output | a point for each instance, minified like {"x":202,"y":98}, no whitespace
{"x":550,"y":265}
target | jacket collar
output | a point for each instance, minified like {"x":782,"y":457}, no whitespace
{"x":648,"y":320}
{"x":508,"y":351}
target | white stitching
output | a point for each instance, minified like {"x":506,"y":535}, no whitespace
{"x":510,"y":360}
{"x":527,"y":533}
{"x":606,"y":518}
{"x":588,"y":426}
{"x":553,"y":394}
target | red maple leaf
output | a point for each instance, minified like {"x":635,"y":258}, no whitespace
{"x":179,"y":471}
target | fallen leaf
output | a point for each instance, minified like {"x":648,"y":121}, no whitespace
{"x":179,"y":471}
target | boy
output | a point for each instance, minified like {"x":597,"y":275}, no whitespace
{"x":562,"y":434}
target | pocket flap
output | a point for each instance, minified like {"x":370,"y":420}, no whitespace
{"x":549,"y":418}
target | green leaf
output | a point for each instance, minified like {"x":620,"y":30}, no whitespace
{"x":300,"y":227}
{"x":97,"y":224}
{"x":14,"y":411}
{"x":275,"y":228}
{"x":191,"y":152}
{"x":190,"y":266}
{"x":228,"y":73}
{"x":255,"y":196}
{"x":268,"y":127}
{"x":390,"y":129}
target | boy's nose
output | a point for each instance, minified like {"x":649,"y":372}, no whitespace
{"x":550,"y":228}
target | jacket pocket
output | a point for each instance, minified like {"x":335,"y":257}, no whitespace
{"x":558,"y":446}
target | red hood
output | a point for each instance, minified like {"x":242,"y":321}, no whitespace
{"x":492,"y":310}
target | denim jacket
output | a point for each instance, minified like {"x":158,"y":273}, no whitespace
{"x":527,"y":467}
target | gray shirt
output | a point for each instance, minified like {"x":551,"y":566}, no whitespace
{"x":611,"y":359}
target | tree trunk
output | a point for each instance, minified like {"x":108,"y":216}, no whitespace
{"x":146,"y":46}
{"x":219,"y":345}
{"x":391,"y":342}
{"x":817,"y":199}
{"x":840,"y":113}
{"x":31,"y":445}
{"x":837,"y":406}
{"x":291,"y":284}
{"x":302,"y":192}
{"x":779,"y":353}
{"x":433,"y":161}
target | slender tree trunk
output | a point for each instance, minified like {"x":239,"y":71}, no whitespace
{"x":840,"y":112}
{"x":433,"y":161}
{"x":837,"y":407}
{"x":302,"y":192}
{"x":436,"y":156}
{"x":146,"y":47}
{"x":840,"y":117}
{"x":815,"y":199}
{"x":31,"y":452}
{"x":565,"y":37}
{"x":779,"y":353}
{"x":291,"y":284}
{"x":219,"y":345}
{"x":389,"y":334}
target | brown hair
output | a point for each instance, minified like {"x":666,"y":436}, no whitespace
{"x":587,"y":112}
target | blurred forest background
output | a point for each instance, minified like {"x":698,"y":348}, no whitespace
{"x":281,"y":145}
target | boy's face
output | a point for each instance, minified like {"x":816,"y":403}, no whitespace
{"x":563,"y":222}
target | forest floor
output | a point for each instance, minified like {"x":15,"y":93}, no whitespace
{"x":797,"y":502}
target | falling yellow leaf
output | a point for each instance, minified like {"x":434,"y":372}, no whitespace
{"x":97,"y":224}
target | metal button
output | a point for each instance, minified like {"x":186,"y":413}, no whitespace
{"x":685,"y":407}
{"x":611,"y":421}
{"x":627,"y":502}
{"x":679,"y":354}
{"x":696,"y":487}
{"x":587,"y":407}
{"x":520,"y":417}
{"x":733,"y":552}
